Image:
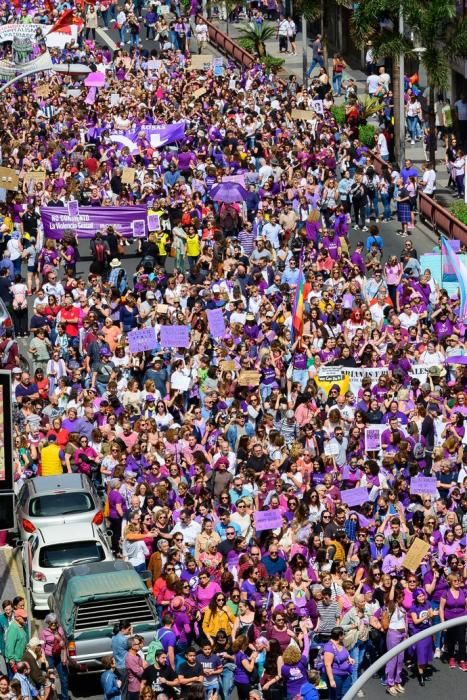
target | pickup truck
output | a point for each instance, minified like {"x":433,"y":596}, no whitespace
{"x":90,"y":599}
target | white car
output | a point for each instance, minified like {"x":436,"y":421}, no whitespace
{"x":48,"y":552}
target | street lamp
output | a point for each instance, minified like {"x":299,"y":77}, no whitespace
{"x":417,"y":50}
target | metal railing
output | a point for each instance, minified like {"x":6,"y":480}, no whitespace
{"x":225,"y":44}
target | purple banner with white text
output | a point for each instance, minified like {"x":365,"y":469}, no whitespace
{"x":89,"y":220}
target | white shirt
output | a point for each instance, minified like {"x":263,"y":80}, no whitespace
{"x":383,"y":145}
{"x":190,"y":532}
{"x":372,"y":84}
{"x":429,"y":181}
{"x":407,"y":321}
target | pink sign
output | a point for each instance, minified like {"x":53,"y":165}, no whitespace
{"x":268,"y":519}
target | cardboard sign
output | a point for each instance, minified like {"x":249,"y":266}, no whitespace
{"x":175,"y":337}
{"x":181,"y":382}
{"x":143,"y":339}
{"x":416,"y":554}
{"x":200,"y":62}
{"x":227,"y":366}
{"x":153,"y":65}
{"x":42,"y":90}
{"x":420,"y":485}
{"x":267,"y":519}
{"x":199,"y":93}
{"x":36,"y":176}
{"x":248,"y":378}
{"x":9,"y":179}
{"x":372,"y":439}
{"x":355,"y":497}
{"x":216,"y":322}
{"x":128,"y":176}
{"x":304,"y":114}
{"x":162,"y":309}
{"x":317,"y":106}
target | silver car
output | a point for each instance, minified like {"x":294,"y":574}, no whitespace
{"x":49,"y":501}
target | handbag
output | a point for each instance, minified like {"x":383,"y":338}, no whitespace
{"x":385,"y":619}
{"x":351,"y":638}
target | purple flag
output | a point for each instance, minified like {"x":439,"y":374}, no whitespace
{"x":89,"y":220}
{"x":157,"y":134}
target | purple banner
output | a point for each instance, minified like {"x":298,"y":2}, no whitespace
{"x":355,"y":497}
{"x":421,"y":485}
{"x":372,"y":439}
{"x":143,"y":339}
{"x":268,"y":519}
{"x":89,"y":220}
{"x":158,"y":135}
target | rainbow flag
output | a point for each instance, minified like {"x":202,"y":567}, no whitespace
{"x":298,"y":305}
{"x":460,"y":271}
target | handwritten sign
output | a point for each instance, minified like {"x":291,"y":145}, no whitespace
{"x":331,"y":449}
{"x":9,"y":179}
{"x":175,"y":337}
{"x":128,"y":176}
{"x":416,"y":554}
{"x":139,"y":228}
{"x":199,"y":93}
{"x":355,"y":497}
{"x":248,"y":378}
{"x":154,"y":65}
{"x":372,"y":439}
{"x":304,"y":114}
{"x":162,"y":309}
{"x":420,"y":485}
{"x":142,"y":339}
{"x":228,"y":366}
{"x":268,"y":519}
{"x":35,"y":176}
{"x":73,"y":208}
{"x":216,"y":322}
{"x":199,"y":62}
{"x":317,"y":106}
{"x":154,"y":222}
{"x":42,"y":90}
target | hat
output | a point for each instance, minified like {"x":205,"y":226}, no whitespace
{"x":150,"y":295}
{"x":35,"y":642}
{"x":177,"y":603}
{"x":150,"y":397}
{"x":436,"y":371}
{"x":19,"y":612}
{"x":105,"y":351}
{"x":16,"y":370}
{"x":250,"y":317}
{"x":216,"y":289}
{"x":115,"y":262}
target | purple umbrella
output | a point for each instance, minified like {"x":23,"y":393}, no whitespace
{"x":228,"y":192}
{"x":457,"y":360}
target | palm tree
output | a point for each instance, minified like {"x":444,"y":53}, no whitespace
{"x":433,"y":21}
{"x":254,"y":38}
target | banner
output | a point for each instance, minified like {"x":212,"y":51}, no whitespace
{"x":216,"y":322}
{"x":158,"y":135}
{"x":142,"y":340}
{"x":268,"y":519}
{"x":175,"y":336}
{"x":8,"y":32}
{"x":89,"y":220}
{"x":356,"y":374}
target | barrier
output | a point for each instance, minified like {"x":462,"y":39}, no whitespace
{"x":439,"y":217}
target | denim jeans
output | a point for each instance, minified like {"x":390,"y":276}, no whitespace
{"x":357,"y":653}
{"x":62,"y":674}
{"x":315,"y":62}
{"x":413,"y":125}
{"x":337,"y":83}
{"x":343,"y":683}
{"x":386,"y":200}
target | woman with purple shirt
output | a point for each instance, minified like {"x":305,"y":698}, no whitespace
{"x":421,"y":616}
{"x":244,"y":667}
{"x":294,"y":672}
{"x":338,"y":665}
{"x":453,"y":604}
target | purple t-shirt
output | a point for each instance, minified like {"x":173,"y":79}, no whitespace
{"x":340,"y":663}
{"x":295,"y":676}
{"x":115,"y":499}
{"x":240,"y":675}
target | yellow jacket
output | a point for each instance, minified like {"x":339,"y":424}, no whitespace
{"x":220,"y":620}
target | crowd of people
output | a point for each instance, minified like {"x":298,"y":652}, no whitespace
{"x":228,"y":467}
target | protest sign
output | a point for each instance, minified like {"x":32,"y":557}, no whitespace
{"x":216,"y":322}
{"x":355,"y":497}
{"x":174,"y":336}
{"x":34,"y":176}
{"x":162,"y":309}
{"x":199,"y":93}
{"x":416,"y":554}
{"x":154,"y":222}
{"x":331,"y":449}
{"x":9,"y":179}
{"x":248,"y":378}
{"x":9,"y":32}
{"x":143,"y":339}
{"x":420,"y":485}
{"x":139,"y":228}
{"x":268,"y":519}
{"x":128,"y":176}
{"x":200,"y":62}
{"x":317,"y":106}
{"x":227,"y":366}
{"x":305,"y":114}
{"x":73,"y":208}
{"x":56,"y":220}
{"x":372,"y":439}
{"x":181,"y":382}
{"x":42,"y":90}
{"x":154,"y":65}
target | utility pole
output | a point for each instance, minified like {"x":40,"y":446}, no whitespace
{"x":304,"y":50}
{"x":401,"y":95}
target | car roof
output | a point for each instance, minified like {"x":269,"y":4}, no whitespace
{"x":63,"y":482}
{"x":74,"y":532}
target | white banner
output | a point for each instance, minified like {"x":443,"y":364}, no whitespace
{"x":356,"y":374}
{"x":8,"y":32}
{"x":42,"y":62}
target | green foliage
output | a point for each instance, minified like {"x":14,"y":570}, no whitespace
{"x":459,"y":210}
{"x":246,"y":43}
{"x":366,"y":134}
{"x":310,"y":9}
{"x":272,"y":63}
{"x":338,"y":112}
{"x":369,"y":107}
{"x":257,"y":35}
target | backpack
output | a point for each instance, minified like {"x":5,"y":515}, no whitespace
{"x":19,"y":301}
{"x":155,"y":646}
{"x":100,"y":252}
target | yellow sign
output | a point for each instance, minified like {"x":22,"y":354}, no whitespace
{"x":9,"y":179}
{"x":128,"y":176}
{"x":416,"y":554}
{"x":248,"y":378}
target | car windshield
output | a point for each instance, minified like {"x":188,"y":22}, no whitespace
{"x":70,"y":553}
{"x":55,"y":504}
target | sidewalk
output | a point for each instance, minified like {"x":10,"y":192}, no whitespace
{"x":293,"y":65}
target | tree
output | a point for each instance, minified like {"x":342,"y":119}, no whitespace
{"x":437,"y":30}
{"x":254,"y":37}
